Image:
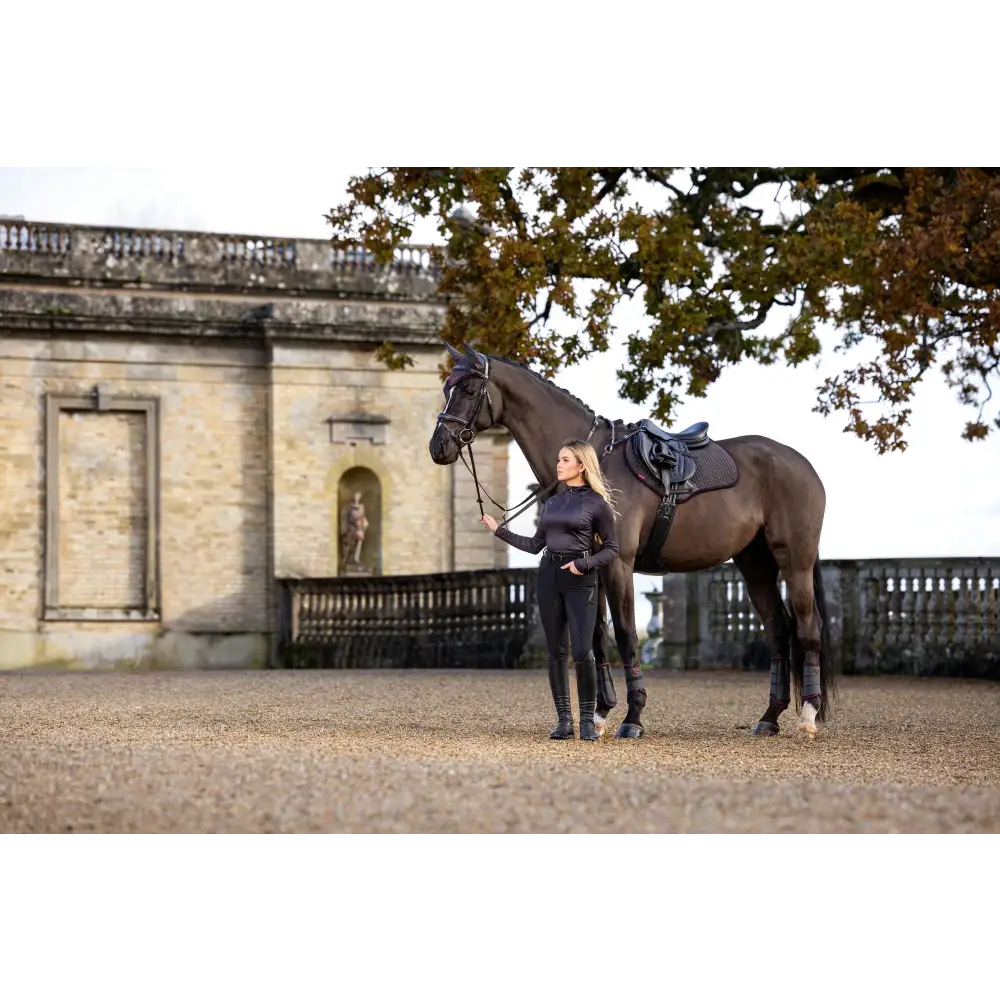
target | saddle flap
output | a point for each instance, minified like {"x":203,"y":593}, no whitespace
{"x":666,"y":461}
{"x":684,"y":469}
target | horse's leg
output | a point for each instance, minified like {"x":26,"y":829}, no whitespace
{"x":618,"y":580}
{"x":606,"y":697}
{"x":760,"y":572}
{"x":806,"y":664}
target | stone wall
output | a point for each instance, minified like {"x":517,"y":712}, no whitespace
{"x":177,"y":413}
{"x":210,"y":555}
{"x":475,"y":547}
{"x":316,"y":389}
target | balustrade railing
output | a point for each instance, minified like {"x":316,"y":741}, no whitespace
{"x":406,"y":260}
{"x":99,"y":245}
{"x":477,"y":619}
{"x":126,"y":244}
{"x":34,"y":237}
{"x":920,"y":616}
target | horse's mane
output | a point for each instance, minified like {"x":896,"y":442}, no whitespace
{"x":534,"y":374}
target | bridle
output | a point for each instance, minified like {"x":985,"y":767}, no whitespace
{"x":467,"y":435}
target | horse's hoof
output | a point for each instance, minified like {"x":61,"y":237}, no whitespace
{"x":600,"y":724}
{"x":807,"y":722}
{"x":765,"y":728}
{"x":629,"y":731}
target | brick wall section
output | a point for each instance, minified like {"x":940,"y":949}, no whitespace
{"x":218,"y":406}
{"x":475,"y":548}
{"x":213,"y":473}
{"x":102,"y":510}
{"x":313,"y":384}
{"x":22,"y":510}
{"x":501,"y":449}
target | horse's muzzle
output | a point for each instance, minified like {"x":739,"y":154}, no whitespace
{"x":443,"y":449}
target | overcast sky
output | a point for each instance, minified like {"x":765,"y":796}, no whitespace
{"x":939,"y":498}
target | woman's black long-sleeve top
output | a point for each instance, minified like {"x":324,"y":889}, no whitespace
{"x":569,"y":522}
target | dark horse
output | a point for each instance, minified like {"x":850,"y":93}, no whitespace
{"x":768,"y":523}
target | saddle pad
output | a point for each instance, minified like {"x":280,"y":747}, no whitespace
{"x":715,"y":470}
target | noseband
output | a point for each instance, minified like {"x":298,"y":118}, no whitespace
{"x":468,"y":432}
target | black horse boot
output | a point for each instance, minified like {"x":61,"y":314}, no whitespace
{"x":586,"y":689}
{"x":559,"y":683}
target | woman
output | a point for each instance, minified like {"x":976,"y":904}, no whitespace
{"x":567,"y":577}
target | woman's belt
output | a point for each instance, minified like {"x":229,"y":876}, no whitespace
{"x":565,"y":557}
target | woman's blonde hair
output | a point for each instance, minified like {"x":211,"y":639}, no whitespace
{"x":584,"y":453}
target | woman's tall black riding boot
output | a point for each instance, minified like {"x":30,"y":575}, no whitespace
{"x":559,"y":683}
{"x":586,"y":689}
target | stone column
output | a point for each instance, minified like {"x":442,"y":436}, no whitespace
{"x":652,"y":648}
{"x":674,"y":604}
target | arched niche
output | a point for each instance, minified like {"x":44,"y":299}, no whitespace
{"x":360,"y":543}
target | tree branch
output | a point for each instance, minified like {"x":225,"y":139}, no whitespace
{"x":542,"y":317}
{"x":739,"y":325}
{"x":513,"y":206}
{"x":758,"y":177}
{"x":782,"y":230}
{"x":985,"y":403}
{"x":657,"y":175}
{"x":611,"y":179}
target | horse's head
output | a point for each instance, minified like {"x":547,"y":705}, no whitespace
{"x":472,"y":404}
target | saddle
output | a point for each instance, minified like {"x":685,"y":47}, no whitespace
{"x":675,"y":467}
{"x":667,"y":457}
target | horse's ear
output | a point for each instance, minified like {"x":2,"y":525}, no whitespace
{"x":474,"y":356}
{"x":455,"y":354}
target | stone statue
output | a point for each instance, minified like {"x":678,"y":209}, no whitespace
{"x":353,"y":526}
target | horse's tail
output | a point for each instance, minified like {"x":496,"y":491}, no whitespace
{"x":827,"y":675}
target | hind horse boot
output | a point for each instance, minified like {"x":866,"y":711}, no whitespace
{"x":780,"y":697}
{"x":635,"y":692}
{"x":586,"y":689}
{"x":559,"y":684}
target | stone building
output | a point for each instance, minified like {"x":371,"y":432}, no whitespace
{"x":184,"y":418}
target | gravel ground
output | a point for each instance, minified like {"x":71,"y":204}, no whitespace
{"x":435,"y":752}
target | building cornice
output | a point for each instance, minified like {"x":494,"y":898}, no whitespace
{"x":90,"y":281}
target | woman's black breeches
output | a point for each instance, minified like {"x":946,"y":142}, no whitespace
{"x":566,"y":600}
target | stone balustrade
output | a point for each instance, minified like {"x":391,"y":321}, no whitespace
{"x":154,"y":257}
{"x":921,"y":616}
{"x":479,"y":619}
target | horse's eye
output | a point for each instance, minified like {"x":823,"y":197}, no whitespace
{"x":468,"y":389}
